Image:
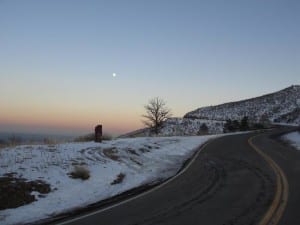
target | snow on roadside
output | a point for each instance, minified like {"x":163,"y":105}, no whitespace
{"x":142,"y":160}
{"x":293,"y":138}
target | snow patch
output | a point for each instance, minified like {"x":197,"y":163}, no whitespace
{"x":293,"y":138}
{"x":141,"y":160}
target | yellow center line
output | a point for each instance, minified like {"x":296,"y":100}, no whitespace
{"x":276,"y":209}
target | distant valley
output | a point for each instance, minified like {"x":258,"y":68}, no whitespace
{"x":30,"y":138}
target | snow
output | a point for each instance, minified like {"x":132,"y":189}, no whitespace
{"x":142,"y":160}
{"x":176,"y":126}
{"x":293,"y":138}
{"x":188,"y":126}
{"x":279,"y":107}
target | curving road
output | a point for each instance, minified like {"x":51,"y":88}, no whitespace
{"x":235,"y":180}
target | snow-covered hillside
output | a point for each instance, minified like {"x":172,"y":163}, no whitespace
{"x":186,"y":126}
{"x":177,"y":126}
{"x":140,"y":160}
{"x":280,"y":107}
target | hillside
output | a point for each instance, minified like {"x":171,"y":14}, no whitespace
{"x":187,"y":126}
{"x":278,"y":107}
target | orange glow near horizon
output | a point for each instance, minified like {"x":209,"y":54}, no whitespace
{"x":50,"y":111}
{"x":68,"y":121}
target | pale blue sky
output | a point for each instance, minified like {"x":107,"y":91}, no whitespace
{"x":57,"y":58}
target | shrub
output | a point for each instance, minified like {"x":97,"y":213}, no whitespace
{"x":106,"y":137}
{"x":49,"y":141}
{"x":14,"y":140}
{"x":91,"y":137}
{"x":244,"y":124}
{"x":235,"y":125}
{"x":203,"y":129}
{"x":80,"y":172}
{"x":257,"y":126}
{"x":85,"y":138}
{"x":3,"y":143}
{"x":231,"y":126}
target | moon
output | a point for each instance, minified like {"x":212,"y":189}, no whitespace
{"x":114,"y":74}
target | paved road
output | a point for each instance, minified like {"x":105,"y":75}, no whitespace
{"x":229,"y":183}
{"x":288,"y":159}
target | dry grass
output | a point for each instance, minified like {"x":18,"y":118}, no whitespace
{"x":15,"y":192}
{"x":80,"y":172}
{"x":91,"y":137}
{"x":50,"y":141}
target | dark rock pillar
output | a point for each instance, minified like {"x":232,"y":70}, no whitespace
{"x":98,"y":133}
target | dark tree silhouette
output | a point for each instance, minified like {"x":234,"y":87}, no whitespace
{"x":203,"y":129}
{"x":231,"y":126}
{"x":244,"y":124}
{"x":156,"y":113}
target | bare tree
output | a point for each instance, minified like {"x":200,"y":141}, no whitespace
{"x":156,"y":113}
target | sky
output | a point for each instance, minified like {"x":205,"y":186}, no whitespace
{"x":58,"y":57}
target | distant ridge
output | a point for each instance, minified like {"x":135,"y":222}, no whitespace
{"x":29,"y":138}
{"x":278,"y":107}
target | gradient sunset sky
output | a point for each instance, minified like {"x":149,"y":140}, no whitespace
{"x":57,"y":58}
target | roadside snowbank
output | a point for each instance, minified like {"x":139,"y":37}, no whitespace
{"x":142,"y":160}
{"x":293,"y":138}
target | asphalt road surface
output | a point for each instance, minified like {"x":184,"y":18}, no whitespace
{"x":234,"y":180}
